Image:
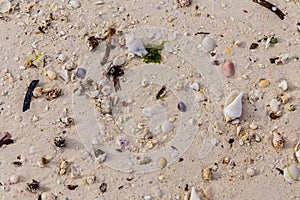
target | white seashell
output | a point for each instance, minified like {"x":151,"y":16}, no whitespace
{"x":194,"y":195}
{"x":233,"y":106}
{"x":277,"y":140}
{"x":291,"y":174}
{"x":135,"y":45}
{"x":208,"y":44}
{"x":118,"y":61}
{"x":14,"y":179}
{"x":283,"y":85}
{"x":167,"y":126}
{"x":297,"y":151}
{"x":148,"y":112}
{"x":5,"y":5}
{"x":195,"y":86}
{"x":274,"y":105}
{"x":75,"y":4}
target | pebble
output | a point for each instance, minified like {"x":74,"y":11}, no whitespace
{"x":118,"y":61}
{"x":47,"y":196}
{"x":51,"y":74}
{"x":181,"y":106}
{"x":80,"y":73}
{"x":228,"y":69}
{"x":32,"y":150}
{"x":37,"y":92}
{"x":274,"y":105}
{"x":162,"y":163}
{"x":208,"y":44}
{"x":195,"y":86}
{"x":75,"y":4}
{"x":206,"y":174}
{"x":167,"y":126}
{"x":283,"y":85}
{"x":250,"y":172}
{"x":35,"y":118}
{"x":264,"y":83}
{"x":62,"y":57}
{"x":14,"y":179}
{"x":5,"y":5}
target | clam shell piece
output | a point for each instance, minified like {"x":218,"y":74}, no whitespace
{"x":277,"y":140}
{"x":5,"y":5}
{"x":291,"y":174}
{"x":228,"y":69}
{"x":135,"y":45}
{"x":297,"y":151}
{"x":233,"y":106}
{"x":194,"y":195}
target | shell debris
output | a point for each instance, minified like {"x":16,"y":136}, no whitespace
{"x":162,"y":163}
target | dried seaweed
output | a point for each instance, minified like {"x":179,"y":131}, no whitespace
{"x":111,"y":32}
{"x":154,"y":53}
{"x":6,"y":139}
{"x":271,"y":7}
{"x":28,"y":96}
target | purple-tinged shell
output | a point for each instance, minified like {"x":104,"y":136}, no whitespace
{"x":181,"y":106}
{"x":122,"y":142}
{"x":80,"y":73}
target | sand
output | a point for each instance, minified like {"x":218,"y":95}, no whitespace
{"x":238,"y":157}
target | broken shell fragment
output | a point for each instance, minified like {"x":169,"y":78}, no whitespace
{"x":283,"y":85}
{"x":80,"y":73}
{"x":297,"y":151}
{"x":233,"y":106}
{"x":194,"y":195}
{"x":118,"y":61}
{"x":291,"y":174}
{"x":135,"y":45}
{"x":37,"y":92}
{"x":228,"y":69}
{"x":208,"y":44}
{"x":51,"y":75}
{"x":5,"y":5}
{"x":277,"y":140}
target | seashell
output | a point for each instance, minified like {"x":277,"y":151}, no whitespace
{"x":228,"y":69}
{"x":274,"y":105}
{"x":233,"y":106}
{"x":14,"y":179}
{"x":62,"y":57}
{"x":195,"y":86}
{"x":206,"y":174}
{"x":264,"y":83}
{"x":181,"y":106}
{"x":37,"y":92}
{"x":162,"y":163}
{"x":135,"y":45}
{"x":184,"y":3}
{"x":5,"y":5}
{"x":283,"y":85}
{"x":51,"y":75}
{"x":148,"y":112}
{"x":194,"y":195}
{"x":250,"y":172}
{"x":297,"y":151}
{"x":118,"y":61}
{"x":291,"y":174}
{"x":74,"y":4}
{"x":277,"y":140}
{"x":167,"y":126}
{"x":80,"y":73}
{"x":208,"y":44}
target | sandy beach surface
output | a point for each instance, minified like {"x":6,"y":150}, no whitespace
{"x":212,"y":102}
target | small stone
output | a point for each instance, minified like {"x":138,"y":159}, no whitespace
{"x":35,"y":118}
{"x":32,"y":150}
{"x":283,"y":85}
{"x":206,"y":174}
{"x":208,"y":44}
{"x":5,"y":5}
{"x":74,"y":4}
{"x":195,"y":86}
{"x":14,"y":179}
{"x":37,"y":92}
{"x":51,"y":75}
{"x":80,"y":73}
{"x":47,"y":196}
{"x":250,"y":172}
{"x":162,"y":163}
{"x":118,"y":61}
{"x":228,"y":69}
{"x":62,"y":57}
{"x":228,"y":50}
{"x":274,"y":105}
{"x":264,"y":83}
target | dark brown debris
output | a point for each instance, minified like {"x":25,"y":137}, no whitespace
{"x":103,"y":187}
{"x":253,"y":46}
{"x":33,"y":186}
{"x":28,"y":96}
{"x":72,"y":187}
{"x":271,"y":7}
{"x":5,"y":138}
{"x":59,"y":141}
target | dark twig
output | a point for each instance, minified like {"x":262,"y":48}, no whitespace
{"x":271,"y":7}
{"x":27,"y":99}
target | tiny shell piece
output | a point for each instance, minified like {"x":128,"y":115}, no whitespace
{"x":233,"y":106}
{"x":184,"y":3}
{"x":14,"y":179}
{"x":135,"y":45}
{"x":118,"y":61}
{"x":277,"y":140}
{"x":283,"y":85}
{"x":206,"y":174}
{"x":194,"y":195}
{"x":51,"y":75}
{"x":274,"y":105}
{"x":228,"y":69}
{"x":250,"y":172}
{"x":162,"y":163}
{"x":80,"y":73}
{"x":264,"y":83}
{"x":291,"y":174}
{"x":208,"y":44}
{"x":195,"y":86}
{"x":297,"y":151}
{"x":5,"y":5}
{"x":37,"y":92}
{"x":181,"y":106}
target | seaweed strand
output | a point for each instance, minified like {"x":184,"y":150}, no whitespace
{"x":271,"y":7}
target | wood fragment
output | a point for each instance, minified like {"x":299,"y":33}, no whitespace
{"x":271,"y":7}
{"x":111,"y":32}
{"x":29,"y":93}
